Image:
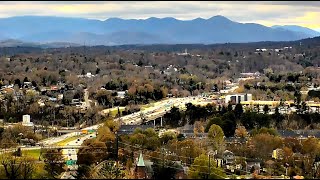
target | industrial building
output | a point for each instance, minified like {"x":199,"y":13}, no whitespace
{"x":237,"y":98}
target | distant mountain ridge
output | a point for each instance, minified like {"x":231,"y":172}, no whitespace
{"x":117,"y":31}
{"x":299,"y":29}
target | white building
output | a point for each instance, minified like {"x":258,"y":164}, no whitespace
{"x":26,"y":120}
{"x":249,"y":74}
{"x":121,"y":94}
{"x":184,"y":54}
{"x":237,"y":98}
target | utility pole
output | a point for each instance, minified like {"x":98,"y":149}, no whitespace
{"x":208,"y":168}
{"x":117,"y":156}
{"x":162,"y":158}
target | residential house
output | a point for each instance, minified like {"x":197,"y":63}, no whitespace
{"x":27,"y":84}
{"x":181,"y":170}
{"x":54,"y":88}
{"x":218,"y":160}
{"x":253,"y":164}
{"x":129,"y":129}
{"x":28,"y":142}
{"x":277,"y":153}
{"x":121,"y":94}
{"x":188,"y":131}
{"x":228,"y":157}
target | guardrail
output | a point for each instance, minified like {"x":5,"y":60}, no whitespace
{"x":63,"y":147}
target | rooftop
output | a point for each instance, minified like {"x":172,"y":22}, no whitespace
{"x":140,"y":161}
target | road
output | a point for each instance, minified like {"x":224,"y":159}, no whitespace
{"x":71,"y":154}
{"x":68,"y":175}
{"x":86,"y":98}
{"x":156,"y":110}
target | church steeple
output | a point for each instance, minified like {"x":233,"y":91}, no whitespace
{"x":140,"y":169}
{"x":140,"y":161}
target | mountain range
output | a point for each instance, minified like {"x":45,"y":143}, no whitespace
{"x":61,"y":31}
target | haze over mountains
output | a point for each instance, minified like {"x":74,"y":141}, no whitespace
{"x":116,"y":31}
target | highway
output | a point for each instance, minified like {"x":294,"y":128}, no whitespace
{"x":71,"y":154}
{"x":156,"y":110}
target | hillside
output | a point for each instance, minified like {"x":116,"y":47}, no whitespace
{"x":116,"y":31}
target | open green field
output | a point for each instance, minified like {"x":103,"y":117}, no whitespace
{"x":66,"y":141}
{"x":143,"y":107}
{"x":34,"y":153}
{"x":114,"y":111}
{"x":38,"y":172}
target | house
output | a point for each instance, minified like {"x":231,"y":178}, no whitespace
{"x":253,"y":165}
{"x":129,"y":129}
{"x":218,"y":160}
{"x":27,"y":84}
{"x":277,"y":153}
{"x":188,"y":131}
{"x":8,"y":90}
{"x":181,"y":171}
{"x":121,"y":94}
{"x":75,"y":102}
{"x":249,"y":74}
{"x":298,"y":157}
{"x":54,"y":88}
{"x":298,"y":177}
{"x":27,"y":141}
{"x":148,"y":67}
{"x":228,"y":157}
{"x":60,"y":96}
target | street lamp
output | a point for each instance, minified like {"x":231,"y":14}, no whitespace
{"x":209,"y":156}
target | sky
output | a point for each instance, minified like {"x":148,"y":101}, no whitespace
{"x":268,"y":13}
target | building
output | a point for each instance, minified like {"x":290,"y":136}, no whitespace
{"x":181,"y":170}
{"x":269,"y":103}
{"x":277,"y":153}
{"x":253,"y":165}
{"x":228,"y":157}
{"x":129,"y":129}
{"x":26,"y":120}
{"x":246,"y":75}
{"x":121,"y":94}
{"x":237,"y":98}
{"x":183,"y":54}
{"x":140,"y":171}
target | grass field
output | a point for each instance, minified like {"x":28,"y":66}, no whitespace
{"x":114,"y":111}
{"x":66,"y":141}
{"x":143,"y":107}
{"x":34,"y":153}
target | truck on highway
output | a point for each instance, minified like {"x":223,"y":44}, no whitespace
{"x":84,"y":131}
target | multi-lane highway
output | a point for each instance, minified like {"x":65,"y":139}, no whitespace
{"x":71,"y":155}
{"x":154,"y":111}
{"x":158,"y":109}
